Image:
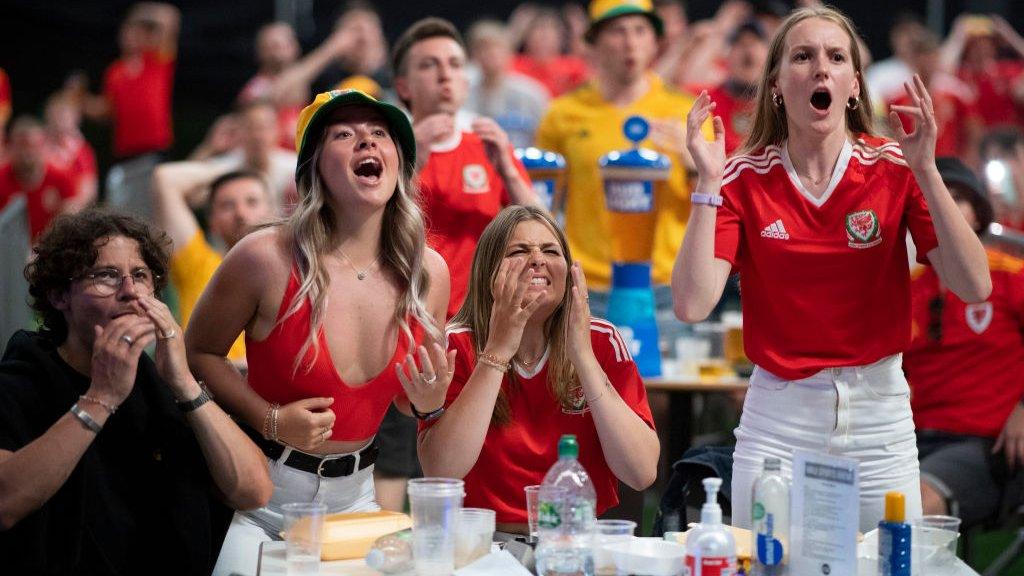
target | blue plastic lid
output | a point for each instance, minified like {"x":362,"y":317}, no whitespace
{"x":537,"y":159}
{"x":636,"y":128}
{"x":636,"y":158}
{"x":631,"y":275}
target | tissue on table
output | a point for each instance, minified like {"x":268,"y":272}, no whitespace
{"x":499,"y":563}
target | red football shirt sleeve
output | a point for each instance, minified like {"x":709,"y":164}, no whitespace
{"x":728,"y":230}
{"x":465,"y":359}
{"x":612,"y":354}
{"x":919,"y":220}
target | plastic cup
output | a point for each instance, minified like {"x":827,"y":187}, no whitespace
{"x":609,"y":532}
{"x":435,"y":504}
{"x":303,"y":534}
{"x":474,"y":535}
{"x":942,"y":530}
{"x":532,"y":499}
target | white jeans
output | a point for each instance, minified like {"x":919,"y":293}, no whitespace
{"x":862,"y":412}
{"x":239,"y":553}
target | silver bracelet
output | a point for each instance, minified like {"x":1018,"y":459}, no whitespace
{"x":86,"y":419}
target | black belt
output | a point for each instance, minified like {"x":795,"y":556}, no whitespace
{"x":325,"y":466}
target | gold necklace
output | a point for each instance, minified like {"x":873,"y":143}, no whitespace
{"x":529,"y":363}
{"x":360,"y":274}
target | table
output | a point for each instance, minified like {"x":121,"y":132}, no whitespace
{"x":272,"y":563}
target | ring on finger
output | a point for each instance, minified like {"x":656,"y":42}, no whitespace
{"x":172,"y":333}
{"x":128,"y":339}
{"x":430,"y":380}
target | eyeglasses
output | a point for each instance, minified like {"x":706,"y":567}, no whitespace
{"x":935,"y":308}
{"x":108,"y":281}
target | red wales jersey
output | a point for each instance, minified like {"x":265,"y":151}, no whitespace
{"x":140,"y":103}
{"x":965,"y":361}
{"x":825,"y":281}
{"x":518,"y":454}
{"x":44,"y":200}
{"x":462,"y":192}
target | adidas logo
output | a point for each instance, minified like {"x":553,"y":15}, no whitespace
{"x":775,"y":230}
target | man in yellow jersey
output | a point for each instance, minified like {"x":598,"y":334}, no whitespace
{"x":586,"y":124}
{"x":238,"y":202}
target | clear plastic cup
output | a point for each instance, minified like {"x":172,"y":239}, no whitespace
{"x":435,"y":503}
{"x":532,"y":496}
{"x":609,"y":532}
{"x":474,"y":535}
{"x":939,"y":531}
{"x":303,"y":535}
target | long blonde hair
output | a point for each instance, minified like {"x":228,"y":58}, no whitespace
{"x":475,"y":312}
{"x":770,"y":120}
{"x":402,"y":245}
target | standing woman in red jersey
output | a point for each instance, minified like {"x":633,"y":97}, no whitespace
{"x":335,"y":302}
{"x":814,"y":217}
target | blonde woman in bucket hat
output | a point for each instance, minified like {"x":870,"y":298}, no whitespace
{"x":317,"y":295}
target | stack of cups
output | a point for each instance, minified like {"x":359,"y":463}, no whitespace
{"x":435,"y":504}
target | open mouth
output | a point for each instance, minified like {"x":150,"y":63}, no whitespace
{"x":369,"y":169}
{"x":821,"y":99}
{"x":539,"y":281}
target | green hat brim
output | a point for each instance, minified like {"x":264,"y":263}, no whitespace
{"x":591,"y":33}
{"x":398,"y":123}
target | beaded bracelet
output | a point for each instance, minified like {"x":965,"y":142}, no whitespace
{"x":493,"y":361}
{"x":110,"y":409}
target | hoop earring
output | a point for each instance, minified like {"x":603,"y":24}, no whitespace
{"x":853,"y":103}
{"x":777,"y":99}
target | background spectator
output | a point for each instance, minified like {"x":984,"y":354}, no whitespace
{"x":46,"y":189}
{"x":68,"y":150}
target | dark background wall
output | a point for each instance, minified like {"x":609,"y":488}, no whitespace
{"x":42,"y":41}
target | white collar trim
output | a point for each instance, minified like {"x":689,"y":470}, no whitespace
{"x":837,"y":173}
{"x":522,"y":371}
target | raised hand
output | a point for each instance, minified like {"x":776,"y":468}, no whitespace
{"x":115,"y":356}
{"x":708,"y":156}
{"x":512,"y":307}
{"x":496,"y":142}
{"x":919,"y":145}
{"x":431,"y":130}
{"x":171,"y":362}
{"x":579,"y":346}
{"x":427,"y":385}
{"x":305,"y":424}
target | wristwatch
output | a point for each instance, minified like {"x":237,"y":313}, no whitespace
{"x":428,"y":416}
{"x":203,"y":398}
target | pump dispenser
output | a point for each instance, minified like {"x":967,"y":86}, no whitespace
{"x":710,"y":547}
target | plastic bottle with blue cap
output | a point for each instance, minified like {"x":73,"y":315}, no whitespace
{"x":629,"y":178}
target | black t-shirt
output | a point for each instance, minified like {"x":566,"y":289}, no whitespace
{"x":140,"y":500}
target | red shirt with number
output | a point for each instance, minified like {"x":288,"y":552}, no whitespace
{"x":44,"y":200}
{"x":519,"y":454}
{"x":139,"y":95}
{"x":461,"y":193}
{"x":965,"y":361}
{"x":994,"y":90}
{"x":955,"y":109}
{"x":825,"y":281}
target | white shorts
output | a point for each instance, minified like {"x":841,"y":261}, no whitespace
{"x":861,"y":412}
{"x":239,"y":553}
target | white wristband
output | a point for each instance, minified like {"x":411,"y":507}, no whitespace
{"x":713,"y":200}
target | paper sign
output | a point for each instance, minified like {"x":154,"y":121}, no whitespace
{"x":825,"y":515}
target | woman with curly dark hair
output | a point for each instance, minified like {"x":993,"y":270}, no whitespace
{"x":99,"y":472}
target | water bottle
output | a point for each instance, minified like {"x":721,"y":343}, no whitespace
{"x":770,"y":520}
{"x":565,"y":518}
{"x":391,"y":553}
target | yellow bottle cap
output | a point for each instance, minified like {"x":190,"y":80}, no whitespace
{"x":894,"y":507}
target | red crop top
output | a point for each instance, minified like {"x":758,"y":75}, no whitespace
{"x":358,"y":411}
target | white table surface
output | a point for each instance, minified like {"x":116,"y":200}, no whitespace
{"x":272,"y":563}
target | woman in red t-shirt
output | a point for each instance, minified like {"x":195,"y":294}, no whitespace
{"x":530,"y":365}
{"x":814,"y":217}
